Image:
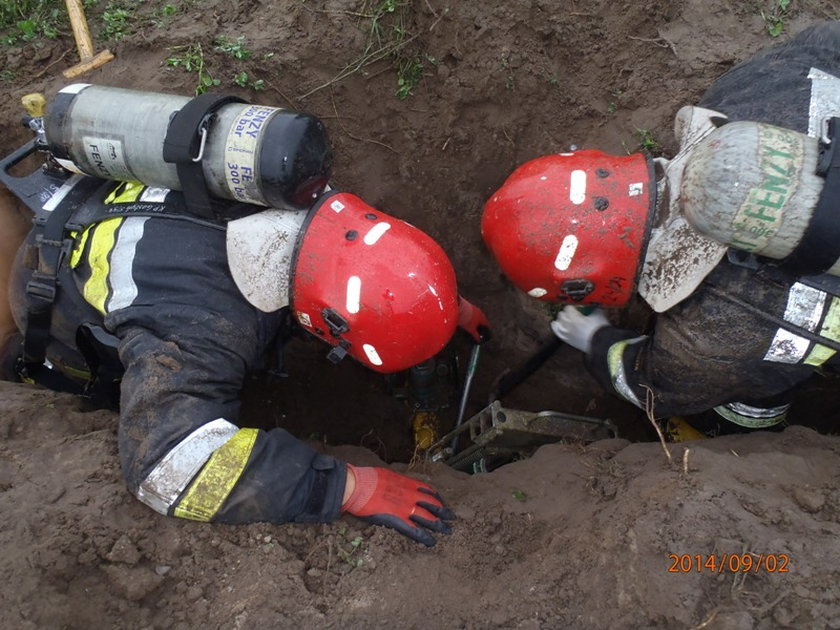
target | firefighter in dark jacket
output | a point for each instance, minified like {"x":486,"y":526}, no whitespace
{"x":189,"y":306}
{"x":733,"y":243}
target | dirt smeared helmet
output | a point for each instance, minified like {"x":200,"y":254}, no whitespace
{"x":372,"y":286}
{"x":572,"y":227}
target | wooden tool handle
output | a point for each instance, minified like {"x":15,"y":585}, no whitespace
{"x":80,"y":28}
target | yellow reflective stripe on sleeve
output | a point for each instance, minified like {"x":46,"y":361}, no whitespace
{"x":830,"y":330}
{"x":214,"y":483}
{"x":125,"y":192}
{"x":102,"y":241}
{"x":78,"y":247}
{"x":615,"y":364}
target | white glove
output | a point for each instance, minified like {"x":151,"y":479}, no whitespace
{"x":577,"y":329}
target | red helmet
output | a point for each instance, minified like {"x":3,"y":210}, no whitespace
{"x":573,"y":227}
{"x":372,"y":285}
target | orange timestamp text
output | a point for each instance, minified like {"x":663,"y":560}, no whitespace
{"x":729,"y":563}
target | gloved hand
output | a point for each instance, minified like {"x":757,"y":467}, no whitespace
{"x":473,"y":320}
{"x":383,"y":497}
{"x":577,"y":329}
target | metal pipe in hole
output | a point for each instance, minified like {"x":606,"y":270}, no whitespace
{"x":462,"y":408}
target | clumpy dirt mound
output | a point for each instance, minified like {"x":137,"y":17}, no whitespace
{"x":611,"y":535}
{"x":735,"y":533}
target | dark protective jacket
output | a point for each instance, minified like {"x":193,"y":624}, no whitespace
{"x":726,"y":343}
{"x":186,"y":338}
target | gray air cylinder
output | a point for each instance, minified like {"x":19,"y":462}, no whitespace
{"x":250,"y":153}
{"x":755,"y":187}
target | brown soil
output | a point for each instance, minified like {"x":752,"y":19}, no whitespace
{"x":575,"y":536}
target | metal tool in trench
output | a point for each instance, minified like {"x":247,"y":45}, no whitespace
{"x":507,"y":381}
{"x":472,"y":366}
{"x":498,"y":435}
{"x":428,"y":389}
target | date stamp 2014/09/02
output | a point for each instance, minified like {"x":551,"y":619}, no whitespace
{"x":729,"y":563}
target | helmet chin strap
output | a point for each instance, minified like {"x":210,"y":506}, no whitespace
{"x":260,"y":250}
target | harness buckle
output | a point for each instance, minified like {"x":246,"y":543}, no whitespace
{"x":42,"y":287}
{"x":828,"y":131}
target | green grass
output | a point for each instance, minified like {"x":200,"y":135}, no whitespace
{"x":190,"y":58}
{"x":235,"y":48}
{"x":243,"y":79}
{"x":648,"y":143}
{"x":409,"y":73}
{"x":119,"y":20}
{"x":22,"y":21}
{"x":776,"y":17}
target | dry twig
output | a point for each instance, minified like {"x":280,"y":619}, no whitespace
{"x":708,"y":620}
{"x":661,"y":41}
{"x":649,"y":404}
{"x":344,"y":129}
{"x":51,"y":64}
{"x":361,"y":62}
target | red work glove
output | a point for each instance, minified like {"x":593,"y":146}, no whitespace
{"x":474,"y":321}
{"x":383,"y":497}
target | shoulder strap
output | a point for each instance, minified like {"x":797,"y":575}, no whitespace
{"x":819,"y":248}
{"x":52,"y":245}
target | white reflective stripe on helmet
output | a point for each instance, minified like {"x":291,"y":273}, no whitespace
{"x":259,"y":250}
{"x":615,"y":364}
{"x":176,"y":469}
{"x":752,"y":417}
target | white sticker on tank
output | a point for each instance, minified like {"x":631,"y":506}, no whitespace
{"x":566,"y":253}
{"x":636,"y":189}
{"x":241,"y":148}
{"x":537,"y":292}
{"x":577,"y":187}
{"x":70,"y":166}
{"x":74,"y":89}
{"x":106,"y":158}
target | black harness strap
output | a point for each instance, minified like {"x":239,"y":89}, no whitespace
{"x":183,"y":143}
{"x":53,"y":245}
{"x":819,"y":248}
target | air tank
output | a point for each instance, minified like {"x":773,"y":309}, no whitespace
{"x":754,"y":187}
{"x":251,"y":153}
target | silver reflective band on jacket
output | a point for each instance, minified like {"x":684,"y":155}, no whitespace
{"x":753,"y":417}
{"x":175,"y":471}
